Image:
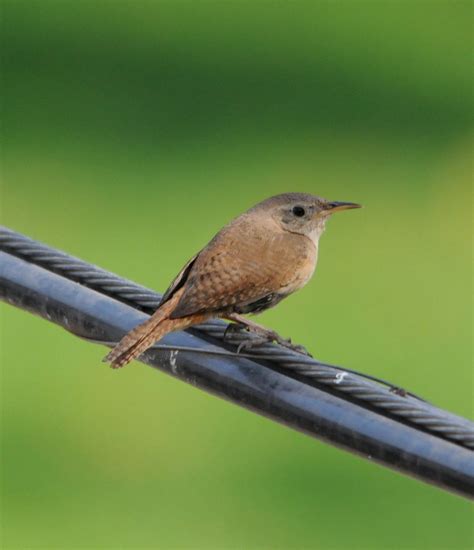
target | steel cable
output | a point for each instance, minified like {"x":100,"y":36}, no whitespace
{"x":351,"y":383}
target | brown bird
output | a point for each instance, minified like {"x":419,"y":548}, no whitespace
{"x":254,"y":262}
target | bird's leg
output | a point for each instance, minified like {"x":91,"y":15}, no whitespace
{"x":247,"y":343}
{"x":264,"y":335}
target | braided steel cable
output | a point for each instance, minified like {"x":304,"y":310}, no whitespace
{"x":353,"y":384}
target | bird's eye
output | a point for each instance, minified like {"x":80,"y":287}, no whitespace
{"x":299,"y":211}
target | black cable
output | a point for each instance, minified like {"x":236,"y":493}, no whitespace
{"x":262,"y":388}
{"x":406,"y":407}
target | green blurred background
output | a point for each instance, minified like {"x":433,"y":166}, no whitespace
{"x":132,"y":132}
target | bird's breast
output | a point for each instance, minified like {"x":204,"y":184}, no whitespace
{"x":303,"y":265}
{"x":288,"y":258}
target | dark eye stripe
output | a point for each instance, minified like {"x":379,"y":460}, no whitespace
{"x":299,"y":211}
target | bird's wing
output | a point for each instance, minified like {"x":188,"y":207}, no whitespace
{"x":231,"y":274}
{"x":179,"y":280}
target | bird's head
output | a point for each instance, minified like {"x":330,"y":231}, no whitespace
{"x":302,"y":213}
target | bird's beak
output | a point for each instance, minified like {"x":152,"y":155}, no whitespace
{"x":336,"y":206}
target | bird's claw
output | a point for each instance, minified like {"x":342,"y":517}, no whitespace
{"x":234,"y":328}
{"x":286,"y":343}
{"x":250,"y":343}
{"x":259,"y":339}
{"x":260,"y":336}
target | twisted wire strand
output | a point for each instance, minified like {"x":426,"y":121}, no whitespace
{"x":355,"y":385}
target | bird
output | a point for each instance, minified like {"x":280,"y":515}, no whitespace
{"x":255,"y":261}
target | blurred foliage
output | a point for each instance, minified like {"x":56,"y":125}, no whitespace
{"x":134,"y":130}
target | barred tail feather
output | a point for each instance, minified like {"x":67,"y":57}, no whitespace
{"x":133,"y":344}
{"x":144,"y":335}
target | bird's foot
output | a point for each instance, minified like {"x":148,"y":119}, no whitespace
{"x":249,"y":341}
{"x":287,"y":343}
{"x":260,"y":336}
{"x":234,"y":328}
{"x":254,"y":342}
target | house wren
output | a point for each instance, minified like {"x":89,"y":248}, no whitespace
{"x":253,"y":263}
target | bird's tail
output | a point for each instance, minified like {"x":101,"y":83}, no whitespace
{"x":145,"y":335}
